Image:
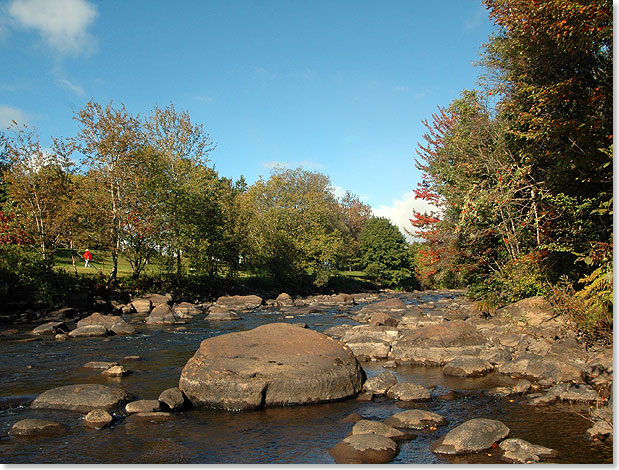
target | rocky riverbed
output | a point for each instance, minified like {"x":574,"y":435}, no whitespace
{"x":418,"y":377}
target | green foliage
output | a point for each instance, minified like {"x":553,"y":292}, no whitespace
{"x":292,"y":227}
{"x":385,"y":254}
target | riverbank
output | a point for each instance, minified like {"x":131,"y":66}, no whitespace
{"x":521,"y":366}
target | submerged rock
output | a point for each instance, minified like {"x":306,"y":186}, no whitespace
{"x":272,"y":365}
{"x":82,"y":397}
{"x":36,"y":428}
{"x":365,"y":449}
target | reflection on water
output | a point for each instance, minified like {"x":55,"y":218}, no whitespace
{"x":301,"y":434}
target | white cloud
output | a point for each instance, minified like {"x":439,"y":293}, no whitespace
{"x":401,"y":211}
{"x":402,"y":89}
{"x":73,"y":87}
{"x":338,"y":191}
{"x":8,"y":114}
{"x":203,"y":98}
{"x":62,"y":24}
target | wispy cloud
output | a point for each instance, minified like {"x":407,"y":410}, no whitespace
{"x":62,"y":24}
{"x":8,"y":114}
{"x":203,"y":98}
{"x":402,"y":89}
{"x":401,"y":211}
{"x":69,"y":85}
{"x":475,"y":20}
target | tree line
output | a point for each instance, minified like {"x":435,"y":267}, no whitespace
{"x":521,"y":170}
{"x":144,"y":188}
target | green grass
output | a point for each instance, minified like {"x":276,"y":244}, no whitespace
{"x":101,"y":262}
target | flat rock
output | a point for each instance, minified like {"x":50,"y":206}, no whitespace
{"x":405,"y":391}
{"x":532,"y":311}
{"x":116,"y":371}
{"x":242,"y":302}
{"x":89,"y":331}
{"x":467,"y":367}
{"x":100,"y":365}
{"x":337,"y":331}
{"x":367,"y":426}
{"x":50,"y":328}
{"x":474,"y":435}
{"x":82,"y":397}
{"x":415,"y":419}
{"x":186,"y":310}
{"x":98,"y":419}
{"x":272,"y":365}
{"x":36,"y":428}
{"x":143,"y":406}
{"x":379,"y":384}
{"x":520,"y":451}
{"x":365,"y":449}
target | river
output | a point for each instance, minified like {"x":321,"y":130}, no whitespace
{"x":298,"y":435}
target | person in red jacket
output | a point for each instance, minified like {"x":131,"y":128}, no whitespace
{"x":87,"y":257}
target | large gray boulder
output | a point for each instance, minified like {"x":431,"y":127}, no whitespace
{"x":89,"y":331}
{"x":474,"y":435}
{"x":82,"y":397}
{"x":271,"y":365}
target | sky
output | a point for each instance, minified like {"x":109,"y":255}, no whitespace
{"x":336,"y":86}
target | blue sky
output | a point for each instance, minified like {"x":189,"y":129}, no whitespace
{"x":335,"y":86}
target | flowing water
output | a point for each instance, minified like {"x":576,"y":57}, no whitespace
{"x":301,"y":434}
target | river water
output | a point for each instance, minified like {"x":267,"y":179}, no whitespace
{"x":298,"y":435}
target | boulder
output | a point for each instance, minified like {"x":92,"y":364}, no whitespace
{"x":284,"y":300}
{"x":98,"y":419}
{"x":364,"y":333}
{"x":272,"y":365}
{"x":89,"y":331}
{"x":383,"y":318}
{"x":163,"y":314}
{"x":365,"y":449}
{"x":186,"y":310}
{"x":82,"y":397}
{"x":239,"y":302}
{"x":217,"y":313}
{"x":546,"y":370}
{"x":173,"y":398}
{"x":467,"y":367}
{"x":520,"y":451}
{"x":415,"y":419}
{"x":532,"y":311}
{"x":379,"y":384}
{"x":367,"y":426}
{"x":143,"y":406}
{"x":474,"y":435}
{"x":113,"y":323}
{"x":391,"y":305}
{"x":51,"y":328}
{"x":143,"y":306}
{"x":37,"y":428}
{"x":600,"y":431}
{"x":370,"y":349}
{"x":408,"y":392}
{"x":159,"y":299}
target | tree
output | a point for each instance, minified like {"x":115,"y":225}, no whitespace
{"x":385,"y":253}
{"x":110,"y":139}
{"x":293,"y":226}
{"x":355,"y":215}
{"x":183,"y":148}
{"x":37,"y":183}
